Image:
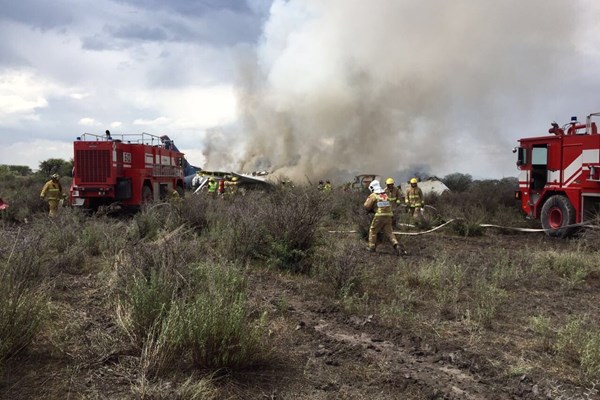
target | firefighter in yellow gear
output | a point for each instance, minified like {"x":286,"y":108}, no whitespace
{"x":414,"y":199}
{"x":379,"y":203}
{"x":327,"y":187}
{"x":212,"y":187}
{"x":52,"y":193}
{"x":231,"y":186}
{"x":395,"y":196}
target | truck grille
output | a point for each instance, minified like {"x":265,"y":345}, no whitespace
{"x":92,"y":165}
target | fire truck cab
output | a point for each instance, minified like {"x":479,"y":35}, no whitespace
{"x":129,"y":170}
{"x":559,"y":180}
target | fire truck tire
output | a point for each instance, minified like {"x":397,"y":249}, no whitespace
{"x":147,"y":196}
{"x":557,"y":213}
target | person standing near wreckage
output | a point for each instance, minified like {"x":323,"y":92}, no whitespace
{"x":379,"y":203}
{"x":395,"y":197}
{"x":414,"y":200}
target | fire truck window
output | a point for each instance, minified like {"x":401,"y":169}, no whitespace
{"x":539,"y":156}
{"x":522,"y":156}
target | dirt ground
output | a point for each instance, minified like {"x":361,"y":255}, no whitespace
{"x":320,"y":350}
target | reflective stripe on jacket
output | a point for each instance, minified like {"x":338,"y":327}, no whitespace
{"x":381,"y":203}
{"x":51,"y":191}
{"x":394,"y":195}
{"x":414,"y":197}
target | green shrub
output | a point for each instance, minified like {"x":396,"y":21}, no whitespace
{"x":339,"y":267}
{"x":214,"y":326}
{"x":23,"y":299}
{"x":292,"y":226}
{"x":579,"y":342}
{"x":151,"y":220}
{"x":487,"y":298}
{"x":174,"y":307}
{"x":237,"y":230}
{"x":542,"y":327}
{"x":571,"y":267}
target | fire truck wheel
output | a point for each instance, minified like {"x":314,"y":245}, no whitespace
{"x":147,"y":196}
{"x":557,"y":213}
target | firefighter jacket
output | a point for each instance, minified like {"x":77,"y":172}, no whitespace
{"x":212,"y":187}
{"x":414,"y":197}
{"x":394,"y":195}
{"x":52,"y":190}
{"x":380,"y":203}
{"x":231,"y":187}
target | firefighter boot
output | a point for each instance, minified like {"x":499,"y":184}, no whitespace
{"x":399,"y":250}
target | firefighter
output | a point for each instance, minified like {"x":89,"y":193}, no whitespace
{"x":52,"y":193}
{"x":414,"y":200}
{"x":212,"y":187}
{"x":379,"y":203}
{"x":197,"y":179}
{"x":321,"y":185}
{"x":231,"y":186}
{"x":175,"y":198}
{"x":395,"y":196}
{"x":221,"y":186}
{"x":327,"y":187}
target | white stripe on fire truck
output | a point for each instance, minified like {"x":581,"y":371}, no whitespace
{"x":524,"y":179}
{"x":572,"y":171}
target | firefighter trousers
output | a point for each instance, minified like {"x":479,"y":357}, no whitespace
{"x":53,"y":206}
{"x":381,"y":224}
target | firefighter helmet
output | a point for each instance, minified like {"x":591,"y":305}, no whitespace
{"x":234,"y":179}
{"x":55,"y":176}
{"x":389,"y":181}
{"x":374,"y":187}
{"x":413,"y":180}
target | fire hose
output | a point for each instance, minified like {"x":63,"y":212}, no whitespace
{"x":512,"y":228}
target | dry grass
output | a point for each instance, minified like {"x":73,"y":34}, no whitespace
{"x":163,"y":300}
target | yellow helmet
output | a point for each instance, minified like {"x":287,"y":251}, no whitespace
{"x":234,"y":179}
{"x":413,"y":180}
{"x":389,"y":181}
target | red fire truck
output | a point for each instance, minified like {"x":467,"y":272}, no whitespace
{"x":128,"y":170}
{"x":559,"y":182}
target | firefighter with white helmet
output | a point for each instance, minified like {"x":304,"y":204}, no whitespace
{"x":414,"y":199}
{"x":52,"y":193}
{"x":379,"y":203}
{"x":395,"y":197}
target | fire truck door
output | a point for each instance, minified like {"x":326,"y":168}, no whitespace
{"x":539,"y":167}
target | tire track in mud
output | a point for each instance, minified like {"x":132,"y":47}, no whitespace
{"x":443,"y":379}
{"x":430,"y":372}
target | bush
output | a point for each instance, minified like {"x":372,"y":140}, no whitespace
{"x":22,"y":193}
{"x":213,"y":325}
{"x":174,"y":307}
{"x":23,"y":300}
{"x":292,"y":227}
{"x":339,"y":267}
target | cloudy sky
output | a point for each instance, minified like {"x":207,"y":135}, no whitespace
{"x":313,"y":88}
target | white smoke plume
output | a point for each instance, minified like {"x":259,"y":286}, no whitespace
{"x":382,"y":86}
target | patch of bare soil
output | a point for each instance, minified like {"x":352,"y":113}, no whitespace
{"x":321,"y":351}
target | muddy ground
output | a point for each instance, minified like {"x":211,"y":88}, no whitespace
{"x":321,"y":348}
